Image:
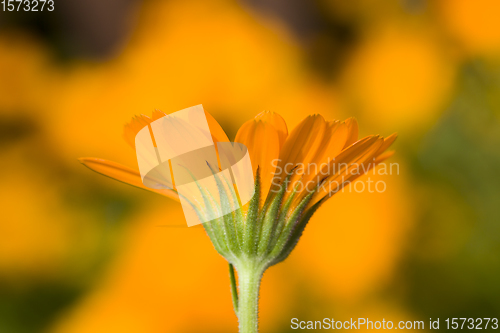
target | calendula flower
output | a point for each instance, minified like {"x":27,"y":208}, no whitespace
{"x":294,"y":174}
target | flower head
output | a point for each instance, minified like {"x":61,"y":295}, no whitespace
{"x":295,"y":173}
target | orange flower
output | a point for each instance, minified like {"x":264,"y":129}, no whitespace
{"x":294,"y":175}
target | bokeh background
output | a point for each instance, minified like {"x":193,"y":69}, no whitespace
{"x":82,"y":253}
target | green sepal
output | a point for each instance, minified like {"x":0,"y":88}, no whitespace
{"x":216,"y":234}
{"x":281,"y":221}
{"x":271,"y":218}
{"x":227,"y":224}
{"x":296,"y":234}
{"x":252,"y":223}
{"x":290,"y":227}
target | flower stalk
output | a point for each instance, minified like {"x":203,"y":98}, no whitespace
{"x":250,"y":276}
{"x":253,"y":240}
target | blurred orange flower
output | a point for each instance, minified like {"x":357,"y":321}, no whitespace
{"x":474,"y":24}
{"x":399,"y":77}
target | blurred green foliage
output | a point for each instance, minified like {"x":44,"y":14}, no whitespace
{"x":453,"y":264}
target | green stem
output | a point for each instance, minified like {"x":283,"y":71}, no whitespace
{"x":249,"y":276}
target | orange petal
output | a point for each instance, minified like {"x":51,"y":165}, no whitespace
{"x":387,"y":143}
{"x":374,"y":156}
{"x":138,"y":122}
{"x":123,"y":174}
{"x":262,"y":141}
{"x":133,"y":127}
{"x":304,"y":141}
{"x":382,"y":157}
{"x":332,"y":144}
{"x":157,"y":114}
{"x":358,"y":155}
{"x":357,"y":149}
{"x":277,"y":121}
{"x":369,"y":163}
{"x":218,"y":134}
{"x":352,"y":128}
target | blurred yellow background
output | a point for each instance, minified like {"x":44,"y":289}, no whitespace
{"x":82,"y":253}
